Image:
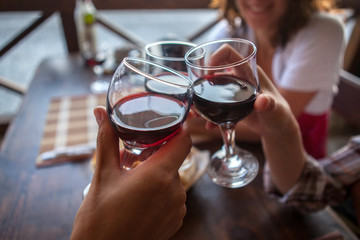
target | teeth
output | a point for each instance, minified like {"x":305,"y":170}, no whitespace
{"x":257,"y":9}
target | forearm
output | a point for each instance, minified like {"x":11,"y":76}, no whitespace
{"x":323,"y":183}
{"x":285,"y":155}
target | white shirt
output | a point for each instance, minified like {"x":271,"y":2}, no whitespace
{"x":310,"y":61}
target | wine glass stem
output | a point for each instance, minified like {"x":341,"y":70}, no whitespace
{"x":128,"y":158}
{"x":135,"y":155}
{"x":228,"y":134}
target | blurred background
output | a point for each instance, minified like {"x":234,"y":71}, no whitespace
{"x":19,"y":63}
{"x":147,"y":24}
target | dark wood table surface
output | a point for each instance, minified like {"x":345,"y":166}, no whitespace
{"x":42,"y":203}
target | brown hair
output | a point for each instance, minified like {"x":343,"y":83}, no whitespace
{"x":297,"y":15}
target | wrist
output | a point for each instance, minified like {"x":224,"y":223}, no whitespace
{"x":286,"y":128}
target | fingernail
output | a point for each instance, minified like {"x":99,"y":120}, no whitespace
{"x":98,"y":116}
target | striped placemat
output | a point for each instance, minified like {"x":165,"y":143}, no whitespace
{"x":70,"y":121}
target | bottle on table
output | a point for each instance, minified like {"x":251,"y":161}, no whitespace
{"x":85,"y":17}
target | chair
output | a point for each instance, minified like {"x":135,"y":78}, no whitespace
{"x":352,"y":52}
{"x":346,"y":102}
{"x":14,"y":87}
{"x":47,"y":9}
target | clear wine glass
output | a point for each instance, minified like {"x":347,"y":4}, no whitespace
{"x":97,"y":64}
{"x":147,"y":104}
{"x":171,"y":53}
{"x":226,"y":84}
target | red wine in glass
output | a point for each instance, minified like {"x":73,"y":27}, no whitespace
{"x":225,"y":86}
{"x":147,"y":104}
{"x":147,"y":119}
{"x":224,"y":98}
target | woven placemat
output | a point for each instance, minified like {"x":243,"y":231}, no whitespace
{"x":70,"y":122}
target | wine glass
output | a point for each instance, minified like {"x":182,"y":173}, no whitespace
{"x":102,"y":65}
{"x":147,"y":104}
{"x":99,"y":85}
{"x":226,"y":84}
{"x":171,"y":53}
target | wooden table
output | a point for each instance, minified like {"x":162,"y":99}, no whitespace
{"x":42,"y":203}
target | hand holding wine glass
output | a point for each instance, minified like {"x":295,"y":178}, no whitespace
{"x":112,"y":206}
{"x":146,"y":106}
{"x":225,"y":89}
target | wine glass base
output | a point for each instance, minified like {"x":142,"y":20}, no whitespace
{"x":237,"y":171}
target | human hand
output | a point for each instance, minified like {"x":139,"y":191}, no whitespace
{"x":147,"y":202}
{"x":271,"y":111}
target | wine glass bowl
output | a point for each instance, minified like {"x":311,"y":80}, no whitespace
{"x":226,"y":84}
{"x":147,"y":104}
{"x":169,"y":53}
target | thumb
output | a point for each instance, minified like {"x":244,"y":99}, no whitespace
{"x":107,"y":144}
{"x":172,"y":154}
{"x":264,"y":103}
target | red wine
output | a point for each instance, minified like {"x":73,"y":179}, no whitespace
{"x":92,"y":61}
{"x":147,"y":119}
{"x":224,"y":98}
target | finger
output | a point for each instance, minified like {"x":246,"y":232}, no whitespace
{"x":107,"y":145}
{"x":265,"y":82}
{"x":264,"y":102}
{"x":193,"y":112}
{"x":271,"y":111}
{"x":211,"y":125}
{"x":229,"y":55}
{"x":172,"y":154}
{"x":224,"y":55}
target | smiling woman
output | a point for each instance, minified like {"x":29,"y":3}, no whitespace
{"x":292,"y":15}
{"x":300,"y":47}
